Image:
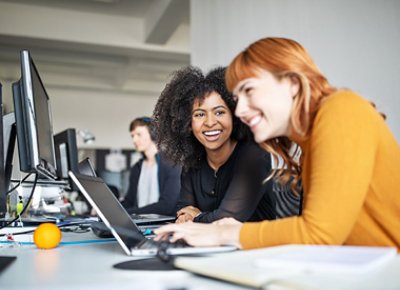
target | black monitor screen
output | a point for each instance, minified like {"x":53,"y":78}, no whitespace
{"x":43,"y":119}
{"x":66,"y":154}
{"x":34,"y":121}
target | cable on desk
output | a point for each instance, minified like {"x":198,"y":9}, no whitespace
{"x":25,"y":206}
{"x":19,"y":233}
{"x":88,"y":242}
{"x":19,"y":183}
{"x":65,"y":243}
{"x":61,"y":225}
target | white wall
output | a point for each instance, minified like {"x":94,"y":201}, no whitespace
{"x":107,"y":117}
{"x":355,"y":43}
{"x":96,"y":66}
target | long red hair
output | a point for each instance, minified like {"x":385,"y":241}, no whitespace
{"x":284,"y":57}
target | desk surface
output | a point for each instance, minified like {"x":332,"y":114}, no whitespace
{"x":90,"y":266}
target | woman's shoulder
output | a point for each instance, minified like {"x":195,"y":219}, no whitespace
{"x":250,"y":150}
{"x":249,"y":146}
{"x":346,"y":103}
{"x":342,"y":98}
{"x":252,"y":160}
{"x":345,"y":113}
{"x":165,"y":163}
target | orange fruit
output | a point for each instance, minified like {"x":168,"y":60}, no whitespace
{"x":47,"y":236}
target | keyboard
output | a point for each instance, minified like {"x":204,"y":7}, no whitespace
{"x":151,"y":244}
{"x":147,"y":231}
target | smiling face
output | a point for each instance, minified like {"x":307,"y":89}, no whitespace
{"x":264,"y":103}
{"x":212,"y":122}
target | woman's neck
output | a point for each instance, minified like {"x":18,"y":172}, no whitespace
{"x":216,"y":158}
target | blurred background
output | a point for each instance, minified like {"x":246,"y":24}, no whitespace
{"x":105,"y":62}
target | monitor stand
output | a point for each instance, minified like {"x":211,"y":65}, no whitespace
{"x":148,"y":264}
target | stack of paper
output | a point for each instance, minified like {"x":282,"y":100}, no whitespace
{"x":321,"y":258}
{"x":257,"y":268}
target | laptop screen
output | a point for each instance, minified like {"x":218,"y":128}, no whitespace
{"x":109,"y":209}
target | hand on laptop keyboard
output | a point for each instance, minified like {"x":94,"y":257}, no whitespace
{"x":164,"y":244}
{"x":178,"y":244}
{"x":163,"y":247}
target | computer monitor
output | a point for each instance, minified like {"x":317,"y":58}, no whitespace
{"x":7,"y":143}
{"x":66,"y":152}
{"x":9,"y":138}
{"x":3,"y":190}
{"x":33,"y":121}
{"x":66,"y":155}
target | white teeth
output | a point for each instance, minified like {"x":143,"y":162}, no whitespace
{"x":212,"y":133}
{"x":255,"y":121}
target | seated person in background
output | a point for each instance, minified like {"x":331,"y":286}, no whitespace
{"x":154,"y":182}
{"x":223,"y":169}
{"x":350,"y":165}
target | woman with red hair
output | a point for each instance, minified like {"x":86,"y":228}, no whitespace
{"x":350,"y":160}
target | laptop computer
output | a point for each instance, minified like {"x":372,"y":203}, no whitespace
{"x":85,"y":167}
{"x":151,"y":218}
{"x":124,"y":229}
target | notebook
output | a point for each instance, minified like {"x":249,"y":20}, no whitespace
{"x":122,"y":226}
{"x":258,"y":268}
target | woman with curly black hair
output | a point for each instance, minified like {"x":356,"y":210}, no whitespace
{"x":223,"y":169}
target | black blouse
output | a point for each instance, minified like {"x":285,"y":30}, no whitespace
{"x":235,"y":190}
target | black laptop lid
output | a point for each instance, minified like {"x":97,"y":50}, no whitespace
{"x":109,"y":208}
{"x":85,"y":167}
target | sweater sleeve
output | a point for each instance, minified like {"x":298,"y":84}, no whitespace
{"x":338,"y":165}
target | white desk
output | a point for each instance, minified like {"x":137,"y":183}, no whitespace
{"x":89,"y":266}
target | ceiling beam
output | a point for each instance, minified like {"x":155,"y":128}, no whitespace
{"x":162,"y":19}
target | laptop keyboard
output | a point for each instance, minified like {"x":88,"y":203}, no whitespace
{"x":151,"y":244}
{"x":137,"y":217}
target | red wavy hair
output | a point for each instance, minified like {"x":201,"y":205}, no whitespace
{"x":284,"y":58}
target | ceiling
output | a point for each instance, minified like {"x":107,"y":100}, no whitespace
{"x":125,"y":46}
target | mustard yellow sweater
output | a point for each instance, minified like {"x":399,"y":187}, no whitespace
{"x":351,"y":181}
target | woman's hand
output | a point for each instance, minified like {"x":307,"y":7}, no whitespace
{"x":186,"y":214}
{"x":222,"y":232}
{"x":227,"y":221}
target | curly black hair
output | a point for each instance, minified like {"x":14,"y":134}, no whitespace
{"x":173,"y":114}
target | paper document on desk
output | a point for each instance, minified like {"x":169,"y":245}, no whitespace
{"x":257,"y":268}
{"x":322,"y":258}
